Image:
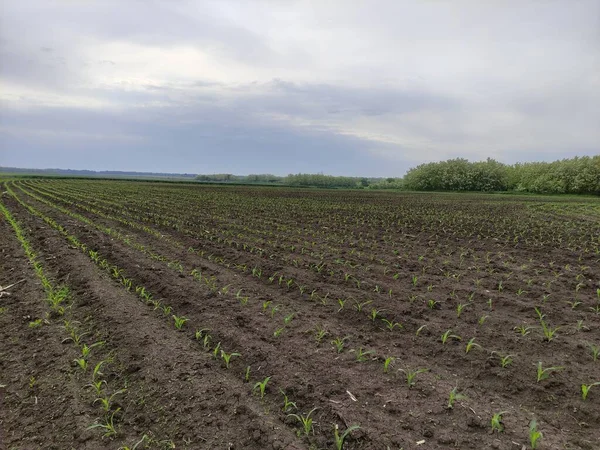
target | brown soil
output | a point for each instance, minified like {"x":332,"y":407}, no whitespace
{"x":178,"y":392}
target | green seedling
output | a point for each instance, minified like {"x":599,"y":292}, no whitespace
{"x":85,"y":350}
{"x":137,"y":444}
{"x":534,"y":434}
{"x":359,"y":306}
{"x":320,"y":334}
{"x":36,"y":323}
{"x":543,"y":374}
{"x":338,"y":343}
{"x":179,"y":321}
{"x":585,"y":389}
{"x":390,"y":324}
{"x":595,"y":350}
{"x":287,"y":319}
{"x":247,"y":374}
{"x":96,"y":372}
{"x":433,"y":304}
{"x":287,"y":404}
{"x":206,"y":341}
{"x":278,"y":331}
{"x":108,"y":426}
{"x":339,"y":439}
{"x":227,"y":357}
{"x":97,"y":385}
{"x":386,"y":364}
{"x":374,"y":314}
{"x":215,"y":351}
{"x":361,"y":355}
{"x":107,"y":401}
{"x":261,"y":386}
{"x":411,"y":375}
{"x":460,"y":308}
{"x":505,"y":361}
{"x":81,"y":363}
{"x":523,"y":330}
{"x":421,"y":328}
{"x":471,"y":344}
{"x":447,"y":336}
{"x":496,"y":422}
{"x":199,"y":334}
{"x":306,"y":421}
{"x":274,"y":309}
{"x":455,"y":395}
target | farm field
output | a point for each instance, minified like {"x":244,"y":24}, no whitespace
{"x":230,"y":317}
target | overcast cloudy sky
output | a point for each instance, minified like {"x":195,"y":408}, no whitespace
{"x":343,"y":87}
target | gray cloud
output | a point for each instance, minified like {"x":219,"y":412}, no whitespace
{"x":284,"y":86}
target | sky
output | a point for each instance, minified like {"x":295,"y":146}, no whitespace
{"x":358,"y":88}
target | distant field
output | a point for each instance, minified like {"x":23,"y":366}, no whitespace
{"x":164,"y":310}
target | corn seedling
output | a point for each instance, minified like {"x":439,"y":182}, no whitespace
{"x":247,"y":374}
{"x":359,"y":306}
{"x":261,"y":386}
{"x":339,"y":439}
{"x":320,"y":334}
{"x":179,"y":321}
{"x":137,"y":444}
{"x":96,"y":372}
{"x":523,"y":330}
{"x":447,"y":336}
{"x":361,"y":355}
{"x":274,"y":309}
{"x":108,"y":426}
{"x":585,"y":389}
{"x":460,"y":308}
{"x":421,"y":328}
{"x":411,"y":375}
{"x":106,"y":402}
{"x":97,"y":385}
{"x":206,"y":341}
{"x":199,"y":334}
{"x":387,"y":362}
{"x":543,"y":374}
{"x":534,"y":434}
{"x":81,"y":363}
{"x":595,"y":351}
{"x":306,"y":421}
{"x":390,"y":324}
{"x":278,"y":332}
{"x":471,"y":344}
{"x":482,"y":320}
{"x":505,"y":360}
{"x":216,"y":350}
{"x":287,"y":404}
{"x":496,"y":422}
{"x":338,"y":343}
{"x":287,"y":319}
{"x":227,"y":357}
{"x":36,"y":323}
{"x":85,"y":350}
{"x":455,"y":395}
{"x":433,"y":304}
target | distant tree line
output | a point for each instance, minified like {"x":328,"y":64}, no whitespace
{"x":579,"y":175}
{"x":299,"y":180}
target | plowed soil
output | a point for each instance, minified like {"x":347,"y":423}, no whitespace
{"x":385,"y":274}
